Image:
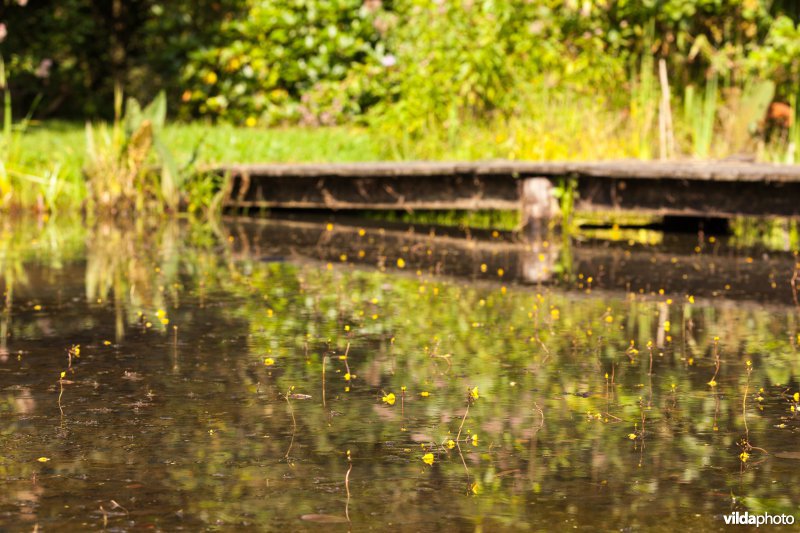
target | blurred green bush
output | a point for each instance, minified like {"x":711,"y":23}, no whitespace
{"x":410,"y":62}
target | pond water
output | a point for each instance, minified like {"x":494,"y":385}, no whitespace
{"x":346,"y":375}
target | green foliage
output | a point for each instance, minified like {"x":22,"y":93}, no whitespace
{"x":119,"y":167}
{"x":278,"y":62}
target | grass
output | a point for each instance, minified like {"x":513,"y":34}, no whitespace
{"x":548,"y":126}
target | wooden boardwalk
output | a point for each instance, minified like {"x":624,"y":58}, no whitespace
{"x":699,"y":189}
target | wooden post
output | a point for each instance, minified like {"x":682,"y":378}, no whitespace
{"x":539,"y":205}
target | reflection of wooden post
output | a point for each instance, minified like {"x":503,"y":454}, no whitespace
{"x":538,"y":205}
{"x":538,"y":262}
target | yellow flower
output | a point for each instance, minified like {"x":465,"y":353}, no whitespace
{"x":474,"y":393}
{"x":389,"y":398}
{"x":744,"y":456}
{"x":165,"y":321}
{"x":712,"y":383}
{"x":161,"y":313}
{"x":797,"y":396}
{"x":210,"y":78}
{"x":250,"y":122}
{"x":43,"y":459}
{"x":107,"y":343}
{"x":451,"y":444}
{"x":401,"y":263}
{"x":474,"y":487}
{"x":632,"y":436}
{"x":475,"y":439}
{"x":347,"y":376}
{"x":269,"y":361}
{"x":424,"y":394}
{"x":427,"y":458}
{"x":63,"y":375}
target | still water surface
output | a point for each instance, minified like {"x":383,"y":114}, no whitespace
{"x":225,"y":370}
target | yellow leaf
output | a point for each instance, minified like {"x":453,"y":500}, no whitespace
{"x":427,"y":458}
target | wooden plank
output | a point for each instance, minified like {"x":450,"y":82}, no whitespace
{"x":680,"y":188}
{"x":689,"y":197}
{"x":626,"y":169}
{"x":387,"y":192}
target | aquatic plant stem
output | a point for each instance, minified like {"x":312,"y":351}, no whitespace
{"x":458,"y":437}
{"x":347,"y":486}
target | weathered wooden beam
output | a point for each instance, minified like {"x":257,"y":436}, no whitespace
{"x":388,"y":192}
{"x":633,"y":169}
{"x":714,"y":189}
{"x":685,"y":197}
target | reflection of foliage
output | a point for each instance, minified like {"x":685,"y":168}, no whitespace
{"x":212,"y":430}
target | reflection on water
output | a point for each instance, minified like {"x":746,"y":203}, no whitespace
{"x":225,"y":371}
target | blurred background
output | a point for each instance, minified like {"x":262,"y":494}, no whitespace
{"x":409,"y":79}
